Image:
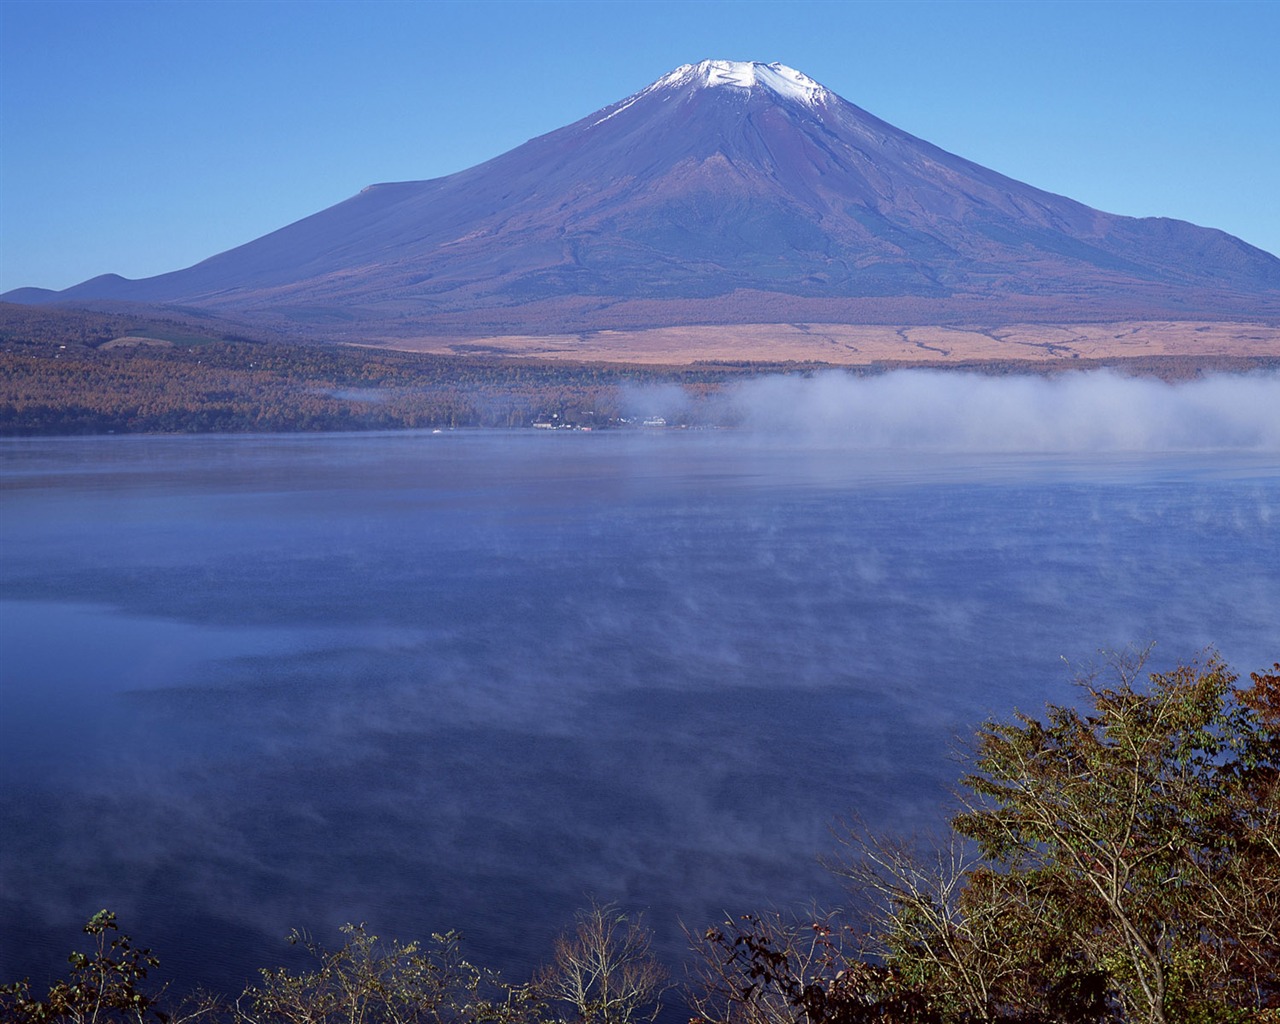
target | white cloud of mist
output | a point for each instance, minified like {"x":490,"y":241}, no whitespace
{"x":648,"y":400}
{"x":947,"y":411}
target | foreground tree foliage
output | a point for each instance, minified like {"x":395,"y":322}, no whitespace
{"x":106,"y":986}
{"x":604,"y":971}
{"x":1144,"y":833}
{"x":1116,"y":862}
{"x":369,"y":981}
{"x":769,"y":969}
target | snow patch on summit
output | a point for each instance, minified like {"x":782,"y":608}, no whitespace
{"x":785,"y":82}
{"x":778,"y":78}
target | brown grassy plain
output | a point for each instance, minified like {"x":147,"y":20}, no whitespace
{"x":864,"y":345}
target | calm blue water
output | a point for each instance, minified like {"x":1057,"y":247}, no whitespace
{"x":470,"y":680}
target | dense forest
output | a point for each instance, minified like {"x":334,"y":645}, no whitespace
{"x":1113,"y":861}
{"x":91,"y":373}
{"x":79,"y":372}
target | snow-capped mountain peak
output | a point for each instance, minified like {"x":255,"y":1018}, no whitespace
{"x":726,"y":192}
{"x":782,"y":81}
{"x":738,"y":74}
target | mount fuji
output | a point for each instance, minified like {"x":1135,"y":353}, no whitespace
{"x":723,"y":193}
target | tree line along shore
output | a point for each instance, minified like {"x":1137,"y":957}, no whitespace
{"x":79,"y":372}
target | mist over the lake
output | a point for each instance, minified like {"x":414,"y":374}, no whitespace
{"x":472,"y":679}
{"x":939,"y":410}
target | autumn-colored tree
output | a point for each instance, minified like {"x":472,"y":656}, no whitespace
{"x":1118,"y":860}
{"x":771,"y":969}
{"x":1137,"y":829}
{"x":981,"y":945}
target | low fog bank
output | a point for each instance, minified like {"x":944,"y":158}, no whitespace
{"x":1076,"y":412}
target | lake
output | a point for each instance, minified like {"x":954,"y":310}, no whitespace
{"x":473,"y":679}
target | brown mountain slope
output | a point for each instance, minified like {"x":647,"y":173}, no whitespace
{"x":724,"y":193}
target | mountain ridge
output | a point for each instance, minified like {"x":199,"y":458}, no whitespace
{"x":724,"y":192}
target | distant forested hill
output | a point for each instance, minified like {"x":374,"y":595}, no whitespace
{"x":77,"y":372}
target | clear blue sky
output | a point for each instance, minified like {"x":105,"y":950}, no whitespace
{"x":138,"y":138}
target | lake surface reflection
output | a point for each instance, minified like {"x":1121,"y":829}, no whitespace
{"x":470,"y":680}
